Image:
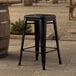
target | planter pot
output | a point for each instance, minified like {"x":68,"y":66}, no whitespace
{"x":4,"y":30}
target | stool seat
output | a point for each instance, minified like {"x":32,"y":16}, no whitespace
{"x":40,"y":22}
{"x":35,"y":17}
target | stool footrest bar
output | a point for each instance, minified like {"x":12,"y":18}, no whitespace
{"x":29,"y":47}
{"x":40,"y":46}
{"x":38,"y":52}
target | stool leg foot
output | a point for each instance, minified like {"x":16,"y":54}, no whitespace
{"x":60,"y":62}
{"x":57,"y":43}
{"x":44,"y":67}
{"x":19,"y":64}
{"x":36,"y":57}
{"x":20,"y":59}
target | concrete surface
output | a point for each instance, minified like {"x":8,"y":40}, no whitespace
{"x":30,"y":67}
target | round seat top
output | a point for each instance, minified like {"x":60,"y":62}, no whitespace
{"x":48,"y":17}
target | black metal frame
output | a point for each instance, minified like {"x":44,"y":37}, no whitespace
{"x":40,"y":34}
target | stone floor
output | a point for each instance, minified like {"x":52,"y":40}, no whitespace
{"x":30,"y":67}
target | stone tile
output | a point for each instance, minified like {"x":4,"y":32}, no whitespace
{"x":6,"y":72}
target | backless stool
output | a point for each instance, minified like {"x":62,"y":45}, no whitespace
{"x":40,"y":22}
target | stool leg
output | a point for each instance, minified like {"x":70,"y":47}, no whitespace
{"x":57,"y":43}
{"x":37,"y":39}
{"x":43,"y":42}
{"x":22,"y":43}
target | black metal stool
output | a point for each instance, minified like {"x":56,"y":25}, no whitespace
{"x":40,"y":21}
